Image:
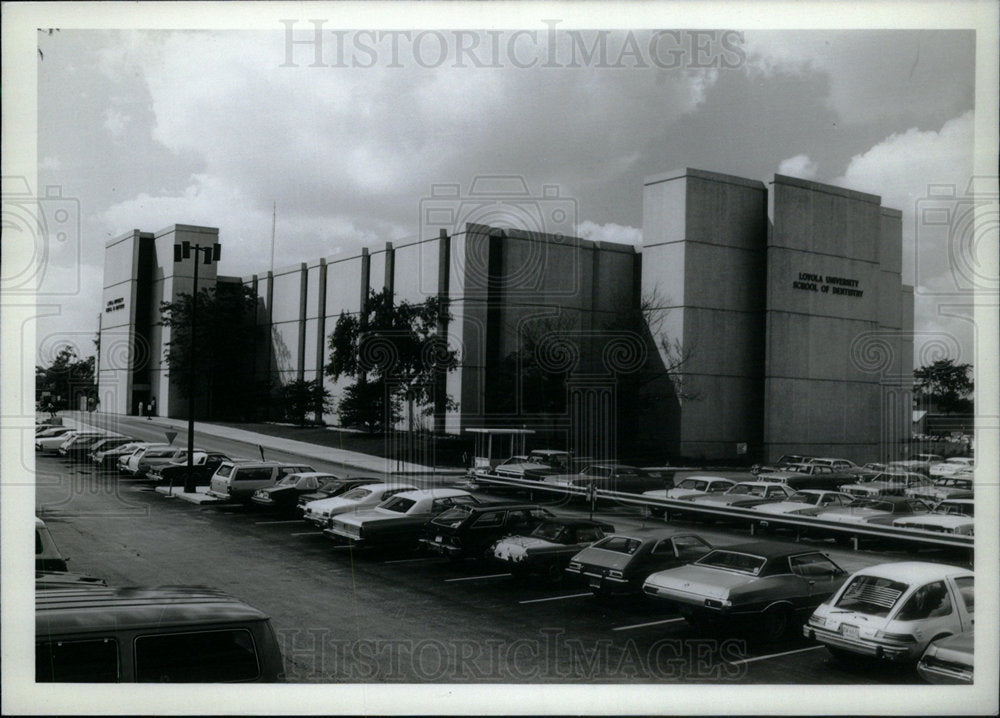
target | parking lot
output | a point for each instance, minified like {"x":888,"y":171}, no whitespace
{"x":356,"y":615}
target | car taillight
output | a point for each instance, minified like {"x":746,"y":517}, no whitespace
{"x":615,"y":574}
{"x":900,"y":637}
{"x":575,"y":565}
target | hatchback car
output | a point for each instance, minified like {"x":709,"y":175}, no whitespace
{"x":764,"y":586}
{"x":893,"y":611}
{"x":620,"y":563}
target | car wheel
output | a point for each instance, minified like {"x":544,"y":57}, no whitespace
{"x":553,"y":573}
{"x":776,"y":623}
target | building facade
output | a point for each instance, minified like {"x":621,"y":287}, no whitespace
{"x":755,"y":320}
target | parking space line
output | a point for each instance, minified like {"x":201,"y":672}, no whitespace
{"x":476,"y":578}
{"x":557,"y":598}
{"x":412,"y":560}
{"x":268,"y":523}
{"x":774,"y":655}
{"x":308,"y":533}
{"x":650,"y":623}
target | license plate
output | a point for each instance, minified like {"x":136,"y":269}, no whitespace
{"x":437,"y":539}
{"x":848,"y":631}
{"x":595,"y":583}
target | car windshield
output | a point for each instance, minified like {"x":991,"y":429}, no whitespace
{"x":801,"y":497}
{"x":872,"y":595}
{"x":693,"y":484}
{"x":453,"y":516}
{"x":356,"y":494}
{"x":955,"y":509}
{"x":619,"y":544}
{"x":733,"y":561}
{"x":399,"y":504}
{"x":289,"y":480}
{"x":748,"y":489}
{"x":549,"y":530}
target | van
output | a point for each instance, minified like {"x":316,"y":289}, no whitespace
{"x":47,"y":556}
{"x":236,"y":481}
{"x":172,"y":634}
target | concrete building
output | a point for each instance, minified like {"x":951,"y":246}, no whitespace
{"x":756,"y":320}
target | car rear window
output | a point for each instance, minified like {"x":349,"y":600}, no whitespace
{"x":453,"y":516}
{"x":399,"y":504}
{"x":619,"y":544}
{"x":356,"y":494}
{"x":733,"y":561}
{"x":93,"y":661}
{"x":872,"y":595}
{"x":159,"y":453}
{"x":202,"y":657}
{"x":259,"y":474}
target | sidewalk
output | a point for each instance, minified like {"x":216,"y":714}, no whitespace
{"x":344,"y":457}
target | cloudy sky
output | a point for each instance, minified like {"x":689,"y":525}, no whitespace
{"x":148,"y":129}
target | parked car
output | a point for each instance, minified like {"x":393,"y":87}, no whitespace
{"x":79,"y":444}
{"x":807,"y":502}
{"x":334,"y":487}
{"x":949,"y":660}
{"x":108,"y":458}
{"x":784,"y":461}
{"x":951,"y":516}
{"x":399,"y":520}
{"x":169,"y":634}
{"x":360,"y":497}
{"x":535,"y":464}
{"x":46,"y":431}
{"x":129,"y":463}
{"x":612,"y":477}
{"x":469,"y":531}
{"x":52,"y":443}
{"x":47,"y":556}
{"x":689,"y":487}
{"x":809,"y":468}
{"x":237,"y":480}
{"x":547,"y":549}
{"x":888,"y":483}
{"x":821,"y":478}
{"x":920,"y":463}
{"x":949,"y":488}
{"x":893,"y":611}
{"x":204,"y":465}
{"x":765,"y":586}
{"x":105,"y":444}
{"x":949,"y":467}
{"x":157,"y":458}
{"x":834,"y":464}
{"x":620,"y":563}
{"x":285,"y":494}
{"x":744,"y":495}
{"x":883,"y":510}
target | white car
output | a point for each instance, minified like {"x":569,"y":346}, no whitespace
{"x":949,"y":467}
{"x":47,"y":431}
{"x":892,"y":611}
{"x":834,"y":464}
{"x":398,"y":520}
{"x":744,"y":495}
{"x":952,"y":516}
{"x":691,"y":486}
{"x":129,"y":463}
{"x":52,"y":443}
{"x":361,"y":497}
{"x":807,"y":502}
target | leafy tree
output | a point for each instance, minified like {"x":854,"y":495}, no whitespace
{"x":947,"y":384}
{"x":395,"y":353}
{"x":66,"y":379}
{"x":300,"y":397}
{"x":223,"y":347}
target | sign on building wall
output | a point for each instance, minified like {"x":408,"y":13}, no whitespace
{"x":827,"y":284}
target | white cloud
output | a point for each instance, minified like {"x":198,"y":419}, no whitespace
{"x":798,"y":166}
{"x":610,"y":232}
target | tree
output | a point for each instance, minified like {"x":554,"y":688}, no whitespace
{"x":395,"y":353}
{"x":947,"y":384}
{"x":66,"y":379}
{"x":223,"y":347}
{"x":300,"y":397}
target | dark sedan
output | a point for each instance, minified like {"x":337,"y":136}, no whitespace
{"x":285,"y":494}
{"x":176,"y":471}
{"x":620,"y":563}
{"x":470,"y":531}
{"x":615,"y":477}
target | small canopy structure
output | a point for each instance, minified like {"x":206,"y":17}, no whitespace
{"x":495,"y":445}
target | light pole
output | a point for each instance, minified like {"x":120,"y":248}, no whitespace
{"x":212,"y":253}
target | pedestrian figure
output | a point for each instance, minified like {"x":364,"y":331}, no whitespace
{"x":142,"y":406}
{"x":152,"y":408}
{"x":51,"y":408}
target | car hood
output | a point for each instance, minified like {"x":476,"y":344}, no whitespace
{"x":602,"y":558}
{"x":514,"y":546}
{"x":699,"y":580}
{"x":334,"y":505}
{"x":848,"y":515}
{"x":783,"y":507}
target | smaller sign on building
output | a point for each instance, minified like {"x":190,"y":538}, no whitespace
{"x":114,"y":305}
{"x":827,"y":284}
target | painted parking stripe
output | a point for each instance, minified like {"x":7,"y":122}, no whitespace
{"x":775,"y":655}
{"x":308,"y":533}
{"x":413,"y":560}
{"x":643,"y":625}
{"x":476,"y":578}
{"x":269,"y":523}
{"x":557,"y":598}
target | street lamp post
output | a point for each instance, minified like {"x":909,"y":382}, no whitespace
{"x":212,"y":253}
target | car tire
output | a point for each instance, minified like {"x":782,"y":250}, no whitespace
{"x":776,"y":623}
{"x":553,"y":574}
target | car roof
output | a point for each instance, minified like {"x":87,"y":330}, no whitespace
{"x":549,"y":451}
{"x":435,"y":493}
{"x":911,"y":571}
{"x":92,"y":609}
{"x":654,"y":534}
{"x":768,"y":549}
{"x":705,"y":477}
